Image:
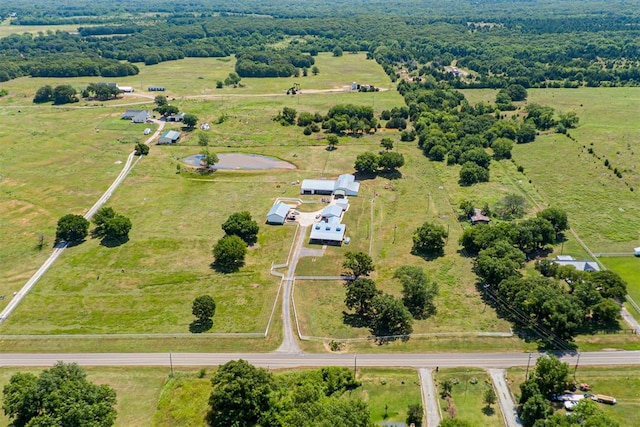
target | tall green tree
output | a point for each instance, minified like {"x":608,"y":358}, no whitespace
{"x":357,"y":264}
{"x":390,"y":318}
{"x":72,"y":228}
{"x":557,"y":217}
{"x":429,"y":239}
{"x":203,"y":307}
{"x":366,"y":163}
{"x":241,"y":395}
{"x":390,"y":160}
{"x":190,"y":120}
{"x":359,"y":295}
{"x":229,"y":254}
{"x":418,"y":292}
{"x":415,"y":414}
{"x":64,"y":94}
{"x":43,"y":94}
{"x":551,"y":375}
{"x":59,"y":396}
{"x":242,"y":225}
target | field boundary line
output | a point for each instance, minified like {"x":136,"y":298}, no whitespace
{"x":134,"y":336}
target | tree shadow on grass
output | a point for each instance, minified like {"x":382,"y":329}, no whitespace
{"x":488,"y":411}
{"x":225,"y":268}
{"x":390,"y":174}
{"x":112,"y":242}
{"x":199,"y":326}
{"x":355,"y":320}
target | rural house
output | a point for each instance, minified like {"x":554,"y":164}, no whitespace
{"x":589,"y":266}
{"x":328,"y":233}
{"x":137,"y":116}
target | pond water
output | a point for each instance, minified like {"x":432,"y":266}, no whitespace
{"x":242,"y":161}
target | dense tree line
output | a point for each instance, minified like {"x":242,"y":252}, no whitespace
{"x":271,"y":63}
{"x":244,"y":395}
{"x":555,"y":306}
{"x":593,"y":50}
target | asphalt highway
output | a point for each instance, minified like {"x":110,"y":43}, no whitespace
{"x":288,"y":360}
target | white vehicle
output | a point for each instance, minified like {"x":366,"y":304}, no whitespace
{"x":147,"y":131}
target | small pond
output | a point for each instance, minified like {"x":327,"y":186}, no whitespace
{"x":242,"y":161}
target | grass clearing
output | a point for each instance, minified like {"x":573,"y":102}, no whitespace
{"x":623,"y":383}
{"x":468,"y":396}
{"x":393,"y":389}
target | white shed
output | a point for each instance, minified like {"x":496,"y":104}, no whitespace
{"x":278,"y":213}
{"x":636,"y":251}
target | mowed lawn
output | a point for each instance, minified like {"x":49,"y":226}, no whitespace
{"x":621,"y":382}
{"x":629,"y":269}
{"x":467,"y":397}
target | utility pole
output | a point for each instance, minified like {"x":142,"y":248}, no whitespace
{"x":528,"y":363}
{"x":576,"y":368}
{"x":355,"y":364}
{"x":171,"y":364}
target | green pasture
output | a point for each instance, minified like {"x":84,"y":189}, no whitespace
{"x":137,"y":390}
{"x":468,"y":396}
{"x":147,"y":284}
{"x":184,"y":398}
{"x":602,"y":208}
{"x":629,"y":269}
{"x":7,"y":30}
{"x":621,"y":382}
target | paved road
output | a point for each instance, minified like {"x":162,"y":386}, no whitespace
{"x":293,"y":360}
{"x":429,"y":397}
{"x":505,"y":400}
{"x":129,"y":164}
{"x":289,"y":343}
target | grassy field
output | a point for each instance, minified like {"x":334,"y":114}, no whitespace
{"x":602,"y":208}
{"x":623,"y":383}
{"x":137,"y":390}
{"x":468,"y":396}
{"x":183,"y":400}
{"x":629,"y":269}
{"x":6,"y":29}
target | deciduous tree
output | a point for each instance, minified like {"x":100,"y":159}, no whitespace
{"x":72,"y":228}
{"x":366,"y":163}
{"x":358,"y":264}
{"x":241,"y":224}
{"x":390,"y":318}
{"x":241,"y":395}
{"x":229,"y":254}
{"x":360,"y":293}
{"x":418,"y":292}
{"x":60,"y":396}
{"x":203,"y":307}
{"x":429,"y":239}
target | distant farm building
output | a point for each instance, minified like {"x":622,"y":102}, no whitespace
{"x":331,"y":211}
{"x":169,"y":137}
{"x":156,"y":88}
{"x":589,"y":266}
{"x":636,"y":251}
{"x":345,"y":185}
{"x":478,"y":217}
{"x":278,"y":213}
{"x":137,"y":116}
{"x":328,"y":233}
{"x":126,"y":89}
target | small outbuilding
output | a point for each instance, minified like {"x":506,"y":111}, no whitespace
{"x":126,"y":89}
{"x":479,"y":218}
{"x":169,"y":137}
{"x":175,"y":117}
{"x":331,"y":211}
{"x":278,"y":213}
{"x":156,"y":88}
{"x":636,"y":251}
